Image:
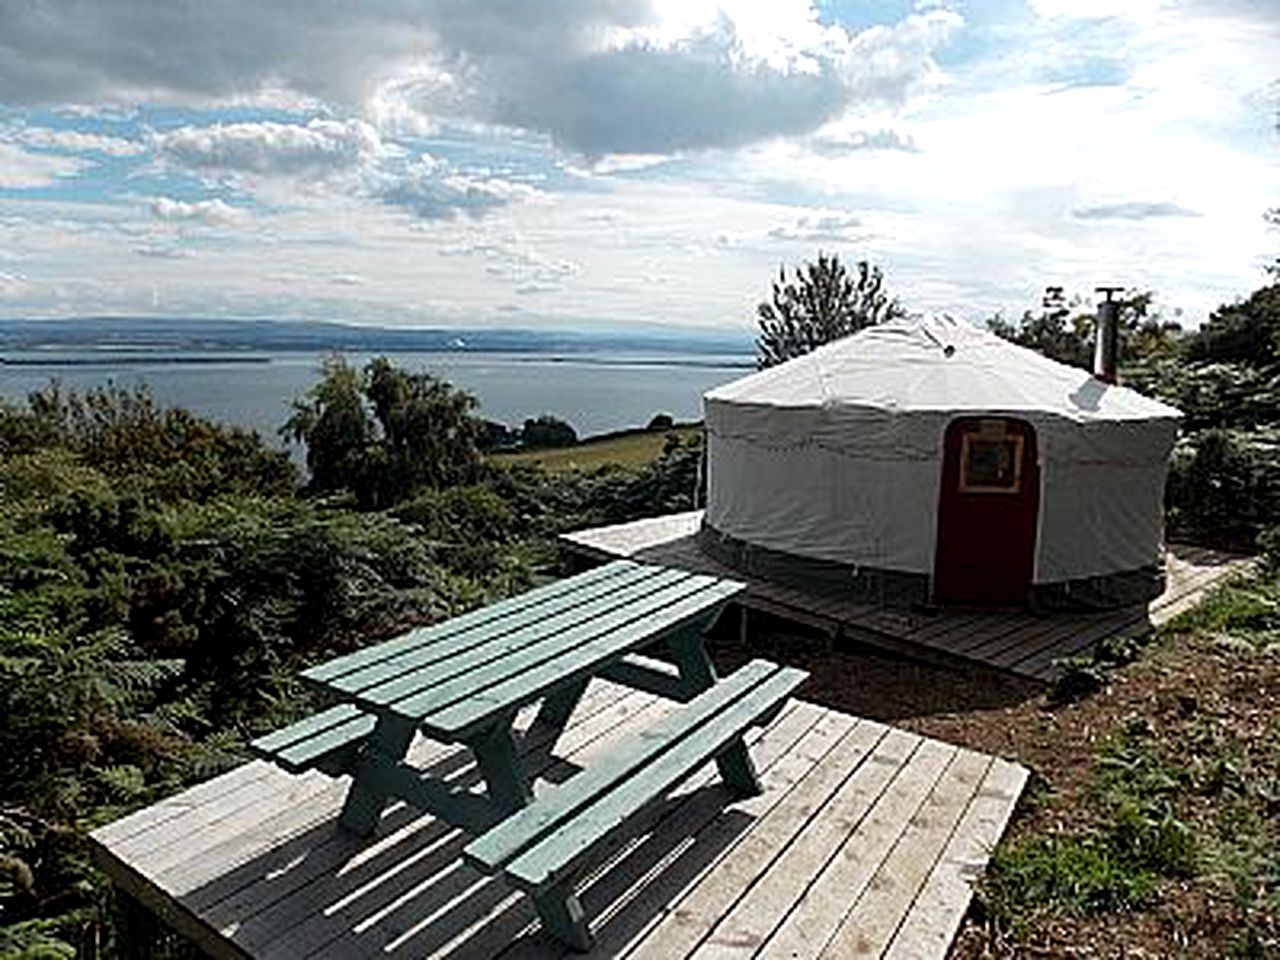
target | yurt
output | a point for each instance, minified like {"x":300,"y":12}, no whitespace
{"x":928,"y":461}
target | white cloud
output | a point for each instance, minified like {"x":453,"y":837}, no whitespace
{"x":13,"y":284}
{"x":837,"y":228}
{"x":74,"y":141}
{"x":212,"y":213}
{"x":1133,"y":210}
{"x":160,"y":252}
{"x":270,"y":148}
{"x":431,"y":189}
{"x":23,"y":170}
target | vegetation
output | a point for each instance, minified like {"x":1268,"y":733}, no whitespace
{"x":625,"y":448}
{"x":822,"y":303}
{"x":1177,"y":819}
{"x":384,"y":432}
{"x":1064,"y":329}
{"x":164,"y":578}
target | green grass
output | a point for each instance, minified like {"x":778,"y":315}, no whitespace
{"x":627,"y":449}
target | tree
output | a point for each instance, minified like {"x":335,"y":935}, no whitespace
{"x":547,"y":431}
{"x":385,"y":432}
{"x":1246,"y":332}
{"x":1272,"y":217}
{"x":1064,"y":330}
{"x":822,"y":303}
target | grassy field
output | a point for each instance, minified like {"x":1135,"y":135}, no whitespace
{"x":628,"y":449}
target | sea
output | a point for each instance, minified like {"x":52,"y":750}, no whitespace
{"x":595,"y":392}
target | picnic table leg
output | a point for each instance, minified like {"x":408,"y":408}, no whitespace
{"x":562,"y":917}
{"x":499,"y":763}
{"x":698,"y":673}
{"x":368,"y":794}
{"x":554,"y":714}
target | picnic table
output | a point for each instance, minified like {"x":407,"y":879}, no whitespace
{"x":464,"y":680}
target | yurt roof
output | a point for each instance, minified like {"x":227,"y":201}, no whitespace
{"x":938,"y":364}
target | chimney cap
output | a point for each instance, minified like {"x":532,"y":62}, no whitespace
{"x":1108,"y":292}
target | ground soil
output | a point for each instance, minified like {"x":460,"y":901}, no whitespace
{"x":1180,"y":679}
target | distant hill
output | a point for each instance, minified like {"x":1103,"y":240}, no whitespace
{"x":199,"y":334}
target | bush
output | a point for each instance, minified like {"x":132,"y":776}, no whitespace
{"x":547,"y":431}
{"x":1224,"y":486}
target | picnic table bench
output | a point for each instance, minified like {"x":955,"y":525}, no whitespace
{"x":464,"y":680}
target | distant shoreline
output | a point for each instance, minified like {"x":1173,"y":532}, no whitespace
{"x":142,"y":359}
{"x":124,"y":361}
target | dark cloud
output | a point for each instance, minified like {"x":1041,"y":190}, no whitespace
{"x":1133,"y":210}
{"x":581,"y":71}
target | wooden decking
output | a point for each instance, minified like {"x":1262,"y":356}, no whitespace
{"x":1022,"y":643}
{"x":863,"y":844}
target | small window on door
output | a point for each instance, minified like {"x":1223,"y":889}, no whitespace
{"x":990,"y":464}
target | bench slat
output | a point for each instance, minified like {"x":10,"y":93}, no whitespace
{"x":504,"y":842}
{"x":476,"y":707}
{"x":311,"y":726}
{"x":428,"y":668}
{"x":312,"y":752}
{"x":547,"y":597}
{"x":555,"y":855}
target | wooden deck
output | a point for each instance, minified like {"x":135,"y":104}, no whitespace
{"x":863,"y":844}
{"x":1018,"y":642}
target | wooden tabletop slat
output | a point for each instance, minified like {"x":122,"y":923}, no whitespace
{"x":547,"y":594}
{"x":523,"y":682}
{"x":566,"y":608}
{"x":470,"y":661}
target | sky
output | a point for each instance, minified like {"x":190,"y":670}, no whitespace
{"x":604,"y":163}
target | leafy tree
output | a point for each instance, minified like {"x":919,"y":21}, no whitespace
{"x":169,"y":452}
{"x":1064,"y":330}
{"x":385,"y":432}
{"x":1245,"y":332}
{"x":822,"y":303}
{"x":1272,"y":217}
{"x":547,"y":431}
{"x":335,"y":426}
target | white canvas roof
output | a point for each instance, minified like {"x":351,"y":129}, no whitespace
{"x":837,"y":454}
{"x":906,"y":365}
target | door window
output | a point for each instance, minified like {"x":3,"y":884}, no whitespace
{"x":990,"y":463}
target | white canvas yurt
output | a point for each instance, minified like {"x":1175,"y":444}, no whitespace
{"x":927,"y":460}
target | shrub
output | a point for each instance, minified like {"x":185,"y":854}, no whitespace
{"x":547,"y":431}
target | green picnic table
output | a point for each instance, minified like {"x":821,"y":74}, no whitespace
{"x":464,"y":680}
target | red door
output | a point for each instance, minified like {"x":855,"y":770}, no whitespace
{"x":987,"y":512}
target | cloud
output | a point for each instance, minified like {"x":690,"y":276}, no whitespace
{"x":23,"y":170}
{"x":432,"y":189}
{"x":597,"y":76}
{"x":315,"y":148}
{"x":158,"y":252}
{"x":75,"y":141}
{"x":823,"y":228}
{"x":347,"y":280}
{"x":835,"y":145}
{"x":1133,"y":210}
{"x":211,"y":213}
{"x":13,"y":284}
{"x":723,"y":83}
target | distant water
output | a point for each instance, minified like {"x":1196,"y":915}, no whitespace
{"x":594,"y":392}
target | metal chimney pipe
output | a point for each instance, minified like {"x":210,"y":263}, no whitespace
{"x":1107,"y":337}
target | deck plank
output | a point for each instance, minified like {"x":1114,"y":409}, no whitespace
{"x":265,"y":876}
{"x":838,"y":883}
{"x":930,"y":926}
{"x":1018,"y":643}
{"x":871,"y":924}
